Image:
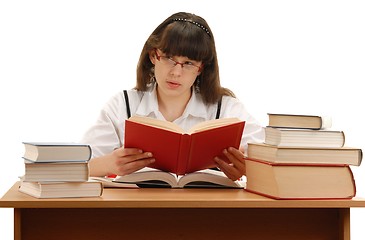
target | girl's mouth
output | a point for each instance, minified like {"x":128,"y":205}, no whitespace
{"x":173,"y":84}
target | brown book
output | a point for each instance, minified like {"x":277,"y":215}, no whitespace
{"x":181,"y":152}
{"x":299,"y":121}
{"x":62,"y":189}
{"x":297,"y":181}
{"x":302,"y":155}
{"x":290,"y":137}
{"x":56,"y":151}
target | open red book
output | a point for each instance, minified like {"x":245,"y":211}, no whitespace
{"x":182,"y":152}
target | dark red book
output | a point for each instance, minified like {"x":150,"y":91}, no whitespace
{"x":182,"y":152}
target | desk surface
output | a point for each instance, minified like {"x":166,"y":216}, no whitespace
{"x":170,"y":198}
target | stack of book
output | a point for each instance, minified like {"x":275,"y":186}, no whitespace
{"x":57,"y":170}
{"x":302,"y":158}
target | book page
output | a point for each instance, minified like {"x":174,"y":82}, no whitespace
{"x":109,"y":183}
{"x":157,"y":123}
{"x":202,"y":178}
{"x":148,"y":174}
{"x":210,"y":124}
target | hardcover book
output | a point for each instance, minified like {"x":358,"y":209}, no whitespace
{"x":290,"y":137}
{"x":299,"y":121}
{"x":181,"y":152}
{"x":56,"y":151}
{"x":56,"y":171}
{"x":303,"y":155}
{"x":298,"y":181}
{"x":61,"y":189}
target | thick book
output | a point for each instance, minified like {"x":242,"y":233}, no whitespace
{"x":61,"y":189}
{"x":290,"y":137}
{"x":299,"y":121}
{"x":297,"y":181}
{"x":56,"y":171}
{"x":149,"y":177}
{"x":277,"y":154}
{"x":56,"y":151}
{"x":183,"y":152}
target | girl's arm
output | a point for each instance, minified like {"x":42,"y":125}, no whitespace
{"x":121,"y":161}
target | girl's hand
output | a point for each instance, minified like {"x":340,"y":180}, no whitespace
{"x":121,"y":161}
{"x":237,"y":167}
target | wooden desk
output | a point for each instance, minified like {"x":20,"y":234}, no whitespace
{"x":178,"y":214}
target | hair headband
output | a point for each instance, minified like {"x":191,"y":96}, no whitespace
{"x":193,"y":22}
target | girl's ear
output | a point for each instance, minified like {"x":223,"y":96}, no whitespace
{"x":152,"y":55}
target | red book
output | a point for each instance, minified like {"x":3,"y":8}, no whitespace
{"x":300,"y":181}
{"x":182,"y":152}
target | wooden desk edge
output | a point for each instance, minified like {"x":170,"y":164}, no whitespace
{"x":170,"y":198}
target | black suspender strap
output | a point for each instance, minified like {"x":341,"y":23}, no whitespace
{"x":218,"y":109}
{"x":127,"y":103}
{"x":217,"y":117}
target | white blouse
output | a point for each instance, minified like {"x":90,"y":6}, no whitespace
{"x":107,"y":133}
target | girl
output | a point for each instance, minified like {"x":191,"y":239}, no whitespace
{"x":177,"y":81}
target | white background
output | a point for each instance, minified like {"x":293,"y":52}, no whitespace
{"x":60,"y":61}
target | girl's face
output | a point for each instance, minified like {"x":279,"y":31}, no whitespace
{"x":174,"y":75}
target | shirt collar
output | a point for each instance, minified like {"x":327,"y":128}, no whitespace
{"x":196,"y":107}
{"x":149,"y":105}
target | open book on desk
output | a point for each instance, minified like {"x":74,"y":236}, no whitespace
{"x":181,"y":152}
{"x":148,"y":177}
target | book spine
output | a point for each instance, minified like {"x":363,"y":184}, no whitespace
{"x":184,"y":153}
{"x":326,"y":122}
{"x":90,"y":152}
{"x":360,"y":157}
{"x":353,"y":180}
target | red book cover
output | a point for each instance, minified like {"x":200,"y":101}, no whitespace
{"x":179,"y":152}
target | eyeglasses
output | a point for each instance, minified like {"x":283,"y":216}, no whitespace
{"x":186,"y":66}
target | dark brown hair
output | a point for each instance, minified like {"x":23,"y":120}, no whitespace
{"x":185,"y":34}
